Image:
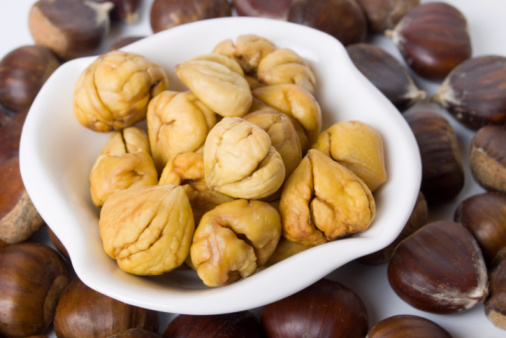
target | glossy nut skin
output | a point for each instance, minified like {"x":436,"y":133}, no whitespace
{"x":487,"y":157}
{"x":33,"y":278}
{"x":474,"y":93}
{"x":324,"y":309}
{"x":124,"y":41}
{"x":485,"y":216}
{"x":343,"y":19}
{"x":433,"y":39}
{"x":165,"y":14}
{"x":387,"y":74}
{"x":495,"y":304}
{"x":23,"y":71}
{"x":263,"y":8}
{"x":439,"y":269}
{"x":229,"y":325}
{"x":84,"y":312}
{"x":442,"y":169}
{"x":407,"y":326}
{"x":385,"y":14}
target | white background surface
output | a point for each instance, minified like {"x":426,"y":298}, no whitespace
{"x":487,"y":24}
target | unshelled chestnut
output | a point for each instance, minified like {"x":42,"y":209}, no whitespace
{"x":84,"y":312}
{"x":401,"y":326}
{"x":442,"y":169}
{"x":57,"y":243}
{"x":229,"y":325}
{"x":165,"y":14}
{"x":485,"y":216}
{"x":387,"y":74}
{"x":487,"y":157}
{"x":126,"y":11}
{"x":69,"y":28}
{"x":33,"y":278}
{"x":439,"y":269}
{"x":385,"y":14}
{"x":136,"y":333}
{"x":23,"y":71}
{"x":433,"y":38}
{"x":324,"y":309}
{"x":263,"y":8}
{"x":124,"y":41}
{"x":343,"y":19}
{"x":417,"y":219}
{"x":495,"y":304}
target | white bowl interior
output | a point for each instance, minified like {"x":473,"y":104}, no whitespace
{"x":56,"y":155}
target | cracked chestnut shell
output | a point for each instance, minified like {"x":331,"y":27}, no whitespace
{"x":324,"y":309}
{"x":343,"y":19}
{"x":439,"y":269}
{"x":433,"y":38}
{"x":474,"y":93}
{"x":387,"y":74}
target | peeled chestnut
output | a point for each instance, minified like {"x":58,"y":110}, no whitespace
{"x":387,"y":74}
{"x":23,"y":71}
{"x":485,"y":216}
{"x":385,"y":14}
{"x":229,"y":325}
{"x":166,"y":14}
{"x":433,"y":39}
{"x":33,"y":278}
{"x":487,"y":157}
{"x":263,"y":8}
{"x":439,"y":269}
{"x":84,"y":312}
{"x":495,"y":304}
{"x":324,"y":309}
{"x":126,"y":11}
{"x":412,"y":326}
{"x":442,"y":169}
{"x":69,"y":28}
{"x":343,"y":19}
{"x":475,"y":92}
{"x":417,"y":219}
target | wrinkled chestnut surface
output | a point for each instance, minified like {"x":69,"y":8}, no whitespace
{"x":485,"y":216}
{"x":400,"y":326}
{"x":439,"y":269}
{"x":433,"y":39}
{"x":165,"y":14}
{"x":230,"y":325}
{"x":475,"y":92}
{"x":442,"y":170}
{"x":487,"y":157}
{"x":324,"y":309}
{"x":343,"y":19}
{"x":387,"y":74}
{"x":23,"y":71}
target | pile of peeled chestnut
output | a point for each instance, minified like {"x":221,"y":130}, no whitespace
{"x":444,"y":266}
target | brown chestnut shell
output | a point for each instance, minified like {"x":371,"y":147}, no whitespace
{"x":495,"y":304}
{"x":407,"y":326}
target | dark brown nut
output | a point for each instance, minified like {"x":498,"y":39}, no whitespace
{"x":33,"y":278}
{"x":53,"y":24}
{"x":23,"y":71}
{"x":57,"y":243}
{"x":474,"y":92}
{"x":433,"y":39}
{"x":18,"y":217}
{"x":230,"y":325}
{"x":136,"y":333}
{"x":401,"y":326}
{"x":495,"y":304}
{"x":166,"y":14}
{"x":439,"y":269}
{"x":385,"y":14}
{"x":83,"y":312}
{"x":417,"y":219}
{"x":387,"y":74}
{"x":488,"y":157}
{"x":126,"y":11}
{"x":442,"y":170}
{"x":124,"y":41}
{"x":263,"y":8}
{"x":312,"y":312}
{"x":343,"y":19}
{"x":485,"y":216}
{"x":499,"y":257}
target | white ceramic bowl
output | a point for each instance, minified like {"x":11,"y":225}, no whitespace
{"x":57,"y":153}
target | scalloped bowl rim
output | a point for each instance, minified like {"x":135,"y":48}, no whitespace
{"x":56,"y":154}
